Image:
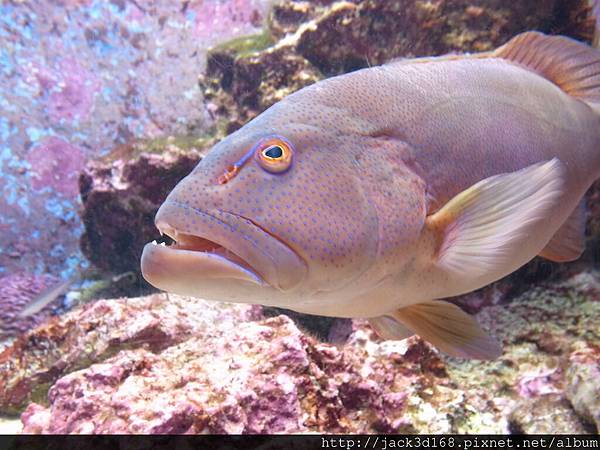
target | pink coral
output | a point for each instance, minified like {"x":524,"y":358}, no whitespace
{"x":220,"y":18}
{"x":69,"y":88}
{"x":73,"y":97}
{"x":56,"y":164}
{"x":540,"y":382}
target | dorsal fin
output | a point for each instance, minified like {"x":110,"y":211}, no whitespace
{"x":571,"y":65}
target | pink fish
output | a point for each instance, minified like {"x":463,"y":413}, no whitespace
{"x":378,"y":193}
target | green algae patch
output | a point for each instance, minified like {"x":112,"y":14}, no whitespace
{"x":246,"y":45}
{"x":161,"y":145}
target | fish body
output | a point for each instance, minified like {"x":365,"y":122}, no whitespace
{"x":378,"y":193}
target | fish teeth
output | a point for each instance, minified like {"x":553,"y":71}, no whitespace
{"x":154,"y":242}
{"x":163,"y":244}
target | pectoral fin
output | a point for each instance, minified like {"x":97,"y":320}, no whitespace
{"x":388,"y":328}
{"x":569,"y":241}
{"x":450,"y":329}
{"x":489,"y":230}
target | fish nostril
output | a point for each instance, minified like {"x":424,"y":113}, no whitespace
{"x":230,"y":172}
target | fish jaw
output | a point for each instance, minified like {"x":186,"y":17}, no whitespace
{"x":215,"y":248}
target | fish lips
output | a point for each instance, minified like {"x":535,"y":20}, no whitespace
{"x":217,"y":244}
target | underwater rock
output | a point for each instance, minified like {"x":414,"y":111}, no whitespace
{"x":261,"y":377}
{"x":240,"y":83}
{"x":593,"y":222}
{"x":548,"y":414}
{"x":122,"y":193}
{"x":99,"y":330}
{"x":16,"y":292}
{"x":583,"y":381}
{"x":227,"y":369}
{"x":316,"y":39}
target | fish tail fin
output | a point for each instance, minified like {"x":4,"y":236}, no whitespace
{"x":571,"y":65}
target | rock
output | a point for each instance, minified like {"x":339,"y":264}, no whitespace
{"x":325,"y":38}
{"x":122,"y":193}
{"x":593,"y":222}
{"x":16,"y":292}
{"x":99,"y":330}
{"x":548,"y":414}
{"x":241,"y":84}
{"x":264,"y":377}
{"x":352,"y":35}
{"x":158,"y":365}
{"x":583,"y":381}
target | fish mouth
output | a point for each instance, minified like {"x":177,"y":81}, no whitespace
{"x":214,"y":246}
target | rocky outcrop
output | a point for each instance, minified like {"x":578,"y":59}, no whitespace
{"x":122,"y":193}
{"x":173,"y":365}
{"x":305,"y":41}
{"x":583,"y":381}
{"x":97,"y":331}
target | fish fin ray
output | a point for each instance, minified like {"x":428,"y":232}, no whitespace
{"x":573,"y":66}
{"x":569,"y":241}
{"x":478,"y":231}
{"x":450,"y":329}
{"x":389,"y":328}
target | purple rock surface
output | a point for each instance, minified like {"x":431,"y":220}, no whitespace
{"x":121,"y":196}
{"x":171,"y":364}
{"x":78,"y":78}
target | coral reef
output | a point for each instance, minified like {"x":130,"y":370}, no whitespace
{"x":173,"y":365}
{"x":121,"y":195}
{"x":16,"y":292}
{"x":99,"y":330}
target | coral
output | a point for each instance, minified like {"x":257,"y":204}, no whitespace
{"x":121,"y":195}
{"x":218,"y":18}
{"x":71,"y":97}
{"x":96,"y":331}
{"x":56,"y":165}
{"x":17,"y":291}
{"x":158,"y":365}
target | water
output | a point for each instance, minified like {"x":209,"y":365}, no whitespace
{"x":105,"y":106}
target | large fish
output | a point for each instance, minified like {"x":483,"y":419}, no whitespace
{"x":378,"y":193}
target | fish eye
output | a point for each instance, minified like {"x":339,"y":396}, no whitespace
{"x":273,"y":152}
{"x":274,"y":155}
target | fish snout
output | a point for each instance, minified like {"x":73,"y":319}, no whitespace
{"x":235,"y":242}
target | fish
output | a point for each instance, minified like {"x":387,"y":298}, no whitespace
{"x":47,"y":296}
{"x":380,"y":193}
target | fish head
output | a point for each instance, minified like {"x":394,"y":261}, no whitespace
{"x":281,"y":210}
{"x":269,"y":212}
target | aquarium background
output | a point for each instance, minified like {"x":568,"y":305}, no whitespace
{"x":105,"y":105}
